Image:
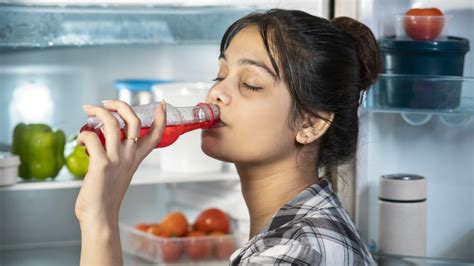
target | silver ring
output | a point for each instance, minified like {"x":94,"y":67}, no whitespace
{"x":135,"y":139}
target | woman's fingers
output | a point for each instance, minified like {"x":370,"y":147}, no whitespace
{"x":132,"y":122}
{"x":149,"y":142}
{"x":111,"y":128}
{"x":93,"y":145}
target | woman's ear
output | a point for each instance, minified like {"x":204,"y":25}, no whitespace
{"x":314,"y":127}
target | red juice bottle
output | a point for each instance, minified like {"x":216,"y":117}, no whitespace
{"x":179,"y":120}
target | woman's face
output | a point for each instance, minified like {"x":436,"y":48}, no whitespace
{"x":254,"y":106}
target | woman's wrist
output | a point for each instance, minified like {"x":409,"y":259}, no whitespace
{"x":100,"y":243}
{"x":98,"y":225}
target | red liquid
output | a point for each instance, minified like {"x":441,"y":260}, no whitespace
{"x":170,"y":133}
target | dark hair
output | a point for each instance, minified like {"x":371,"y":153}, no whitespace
{"x":326,"y":65}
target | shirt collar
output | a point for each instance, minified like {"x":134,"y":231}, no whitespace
{"x":315,"y":197}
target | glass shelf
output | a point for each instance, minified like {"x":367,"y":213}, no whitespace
{"x":441,"y":95}
{"x":144,"y":175}
{"x":417,"y":98}
{"x":27,"y":27}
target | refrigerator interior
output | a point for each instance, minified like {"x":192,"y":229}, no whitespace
{"x":440,"y":151}
{"x":49,"y":85}
{"x":56,"y":56}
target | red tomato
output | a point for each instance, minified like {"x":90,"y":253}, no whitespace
{"x":176,"y":224}
{"x":170,"y":250}
{"x":223,"y":247}
{"x":212,"y":220}
{"x":196,"y":247}
{"x":423,"y":24}
{"x":158,"y":230}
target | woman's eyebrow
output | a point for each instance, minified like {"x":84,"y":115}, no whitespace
{"x":246,"y":61}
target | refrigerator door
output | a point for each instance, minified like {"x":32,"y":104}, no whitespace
{"x":432,"y":143}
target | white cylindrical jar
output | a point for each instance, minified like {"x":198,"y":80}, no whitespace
{"x":402,"y":215}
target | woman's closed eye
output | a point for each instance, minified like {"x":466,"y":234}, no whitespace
{"x":245,"y":85}
{"x":217,"y":79}
{"x":250,"y":87}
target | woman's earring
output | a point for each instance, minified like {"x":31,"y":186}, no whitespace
{"x":306,"y":139}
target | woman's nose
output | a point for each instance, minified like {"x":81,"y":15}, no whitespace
{"x":218,"y":95}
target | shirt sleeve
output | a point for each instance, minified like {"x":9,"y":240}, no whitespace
{"x":294,"y":254}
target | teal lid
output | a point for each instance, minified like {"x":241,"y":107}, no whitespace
{"x":138,"y":84}
{"x":451,"y":43}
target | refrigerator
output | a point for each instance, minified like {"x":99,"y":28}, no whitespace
{"x":57,"y":55}
{"x":435,"y":143}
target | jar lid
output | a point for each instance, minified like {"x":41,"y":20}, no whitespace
{"x":7,"y":159}
{"x":402,"y":187}
{"x":138,"y":84}
{"x":451,"y":43}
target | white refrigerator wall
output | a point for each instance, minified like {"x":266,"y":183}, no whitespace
{"x":443,"y":155}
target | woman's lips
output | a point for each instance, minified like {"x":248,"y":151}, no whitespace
{"x":219,"y":124}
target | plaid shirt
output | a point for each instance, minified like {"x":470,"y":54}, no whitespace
{"x":311,"y":229}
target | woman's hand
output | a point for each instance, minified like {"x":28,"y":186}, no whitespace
{"x":109,"y":175}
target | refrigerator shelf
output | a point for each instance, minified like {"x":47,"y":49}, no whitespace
{"x":390,"y":259}
{"x":417,"y":94}
{"x":142,"y":176}
{"x":32,"y":27}
{"x":61,"y":253}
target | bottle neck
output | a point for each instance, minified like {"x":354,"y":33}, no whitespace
{"x":195,"y":125}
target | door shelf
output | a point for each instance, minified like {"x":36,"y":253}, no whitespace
{"x":417,"y":98}
{"x":143,"y":176}
{"x":29,"y":27}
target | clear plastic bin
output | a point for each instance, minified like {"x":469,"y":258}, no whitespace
{"x":202,"y":249}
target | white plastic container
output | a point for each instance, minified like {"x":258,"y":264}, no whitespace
{"x":402,"y":215}
{"x":185,"y":155}
{"x":8,"y":168}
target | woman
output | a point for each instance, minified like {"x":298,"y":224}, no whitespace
{"x":288,"y":87}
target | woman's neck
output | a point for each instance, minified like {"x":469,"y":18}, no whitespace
{"x":267,"y":188}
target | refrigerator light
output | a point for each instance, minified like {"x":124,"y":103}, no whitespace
{"x":31,"y":103}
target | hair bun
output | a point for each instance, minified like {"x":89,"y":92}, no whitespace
{"x":366,"y":47}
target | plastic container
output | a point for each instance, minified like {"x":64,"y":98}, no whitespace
{"x":431,"y":58}
{"x":8,"y":168}
{"x":137,"y":91}
{"x":185,"y":156}
{"x":402,"y":215}
{"x":205,"y":249}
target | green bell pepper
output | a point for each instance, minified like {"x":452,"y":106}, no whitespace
{"x":41,"y":150}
